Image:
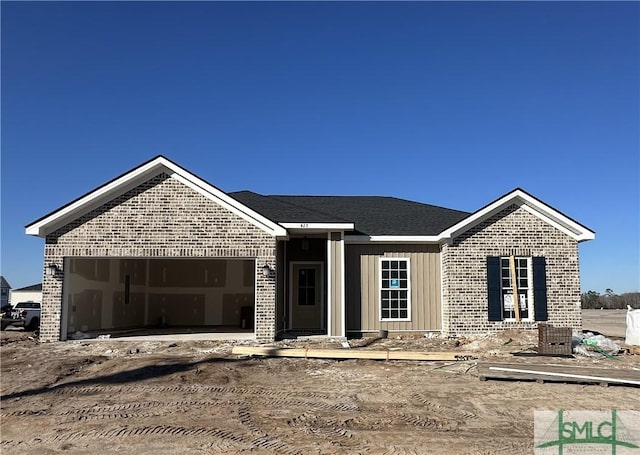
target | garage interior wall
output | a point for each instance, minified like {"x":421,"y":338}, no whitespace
{"x":120,"y":293}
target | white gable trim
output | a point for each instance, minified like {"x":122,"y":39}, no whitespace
{"x":138,"y":176}
{"x":232,"y":205}
{"x":534,"y":206}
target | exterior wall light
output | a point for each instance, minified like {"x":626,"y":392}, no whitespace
{"x":267,"y":271}
{"x":52,"y":269}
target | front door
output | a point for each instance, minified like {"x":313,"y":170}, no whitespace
{"x":307,"y":296}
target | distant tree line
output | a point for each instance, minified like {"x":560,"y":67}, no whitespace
{"x":610,"y":300}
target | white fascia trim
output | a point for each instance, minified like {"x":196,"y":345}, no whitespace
{"x":392,"y":239}
{"x":319,"y":226}
{"x":550,"y":221}
{"x":231,"y":204}
{"x":137,"y":176}
{"x":535,"y":207}
{"x":84,"y":204}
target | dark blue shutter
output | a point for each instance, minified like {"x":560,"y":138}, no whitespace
{"x":540,"y":288}
{"x":494,"y":288}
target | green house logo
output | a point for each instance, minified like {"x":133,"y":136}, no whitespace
{"x":586,"y":432}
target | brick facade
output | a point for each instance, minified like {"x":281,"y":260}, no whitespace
{"x":513,"y":231}
{"x":160,"y":218}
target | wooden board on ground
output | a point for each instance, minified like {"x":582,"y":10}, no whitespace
{"x":557,"y":373}
{"x":349,"y":354}
{"x":632,"y":349}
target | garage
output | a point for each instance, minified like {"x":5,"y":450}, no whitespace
{"x":139,"y":296}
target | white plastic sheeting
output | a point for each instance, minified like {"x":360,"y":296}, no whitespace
{"x":633,"y":326}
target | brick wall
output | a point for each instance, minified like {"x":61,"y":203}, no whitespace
{"x":514,"y":231}
{"x":160,"y":218}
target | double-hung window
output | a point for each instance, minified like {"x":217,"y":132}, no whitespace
{"x":516,"y":291}
{"x":512,"y":279}
{"x":395,"y":289}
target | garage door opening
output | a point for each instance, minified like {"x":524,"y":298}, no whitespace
{"x":150,"y":296}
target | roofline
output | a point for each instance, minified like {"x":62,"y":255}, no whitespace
{"x":135,"y":177}
{"x":28,"y":288}
{"x":305,"y":227}
{"x":354,"y":239}
{"x":530,"y":203}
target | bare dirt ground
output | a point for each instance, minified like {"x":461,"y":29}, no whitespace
{"x":108,"y":396}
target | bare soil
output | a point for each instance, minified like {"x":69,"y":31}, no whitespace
{"x":110,"y":396}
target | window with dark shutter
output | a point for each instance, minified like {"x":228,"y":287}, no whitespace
{"x":540,"y":288}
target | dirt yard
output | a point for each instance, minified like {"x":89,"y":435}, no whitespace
{"x":109,"y":396}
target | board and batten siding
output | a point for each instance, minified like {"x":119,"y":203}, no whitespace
{"x":363,"y":287}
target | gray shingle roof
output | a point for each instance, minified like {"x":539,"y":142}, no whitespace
{"x":4,"y":283}
{"x":372,"y":215}
{"x":33,"y":287}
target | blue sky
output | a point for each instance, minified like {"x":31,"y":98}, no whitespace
{"x":452,"y":104}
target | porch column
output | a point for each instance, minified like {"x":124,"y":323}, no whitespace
{"x":336,"y":317}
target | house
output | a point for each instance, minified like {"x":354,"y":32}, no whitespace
{"x":5,"y":292}
{"x":31,"y":293}
{"x":160,"y":247}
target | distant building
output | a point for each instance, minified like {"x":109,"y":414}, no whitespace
{"x":31,"y":293}
{"x":5,"y":289}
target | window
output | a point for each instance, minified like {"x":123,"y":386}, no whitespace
{"x":395,"y":303}
{"x":306,"y":286}
{"x":522,"y":270}
{"x":524,"y":281}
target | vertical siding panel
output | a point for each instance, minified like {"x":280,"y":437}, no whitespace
{"x":373,"y":291}
{"x":422,"y":297}
{"x":422,"y":259}
{"x":435,"y":290}
{"x":426,"y":286}
{"x":438,"y":287}
{"x":363,"y":290}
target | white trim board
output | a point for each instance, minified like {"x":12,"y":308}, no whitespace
{"x":136,"y":177}
{"x":532,"y":205}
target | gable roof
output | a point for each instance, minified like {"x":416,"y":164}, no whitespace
{"x":363,"y":218}
{"x":4,"y":283}
{"x":371,"y":215}
{"x":135,"y":177}
{"x":33,"y":287}
{"x":530,"y":203}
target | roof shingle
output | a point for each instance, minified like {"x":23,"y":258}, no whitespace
{"x":372,"y":215}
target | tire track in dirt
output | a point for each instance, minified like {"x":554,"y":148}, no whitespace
{"x":437,"y":423}
{"x":445,"y":411}
{"x":310,"y":423}
{"x":264,"y":440}
{"x":507,"y":449}
{"x":112,"y":409}
{"x":92,"y":390}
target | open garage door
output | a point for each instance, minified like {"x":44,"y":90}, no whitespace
{"x":137,"y":296}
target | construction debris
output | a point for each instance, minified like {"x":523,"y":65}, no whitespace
{"x":349,"y":354}
{"x":557,"y":373}
{"x":591,"y":345}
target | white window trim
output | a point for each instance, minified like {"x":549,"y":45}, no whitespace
{"x":530,"y":277}
{"x":408,"y":318}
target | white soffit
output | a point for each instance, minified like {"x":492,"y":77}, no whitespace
{"x":529,"y":203}
{"x":137,"y":176}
